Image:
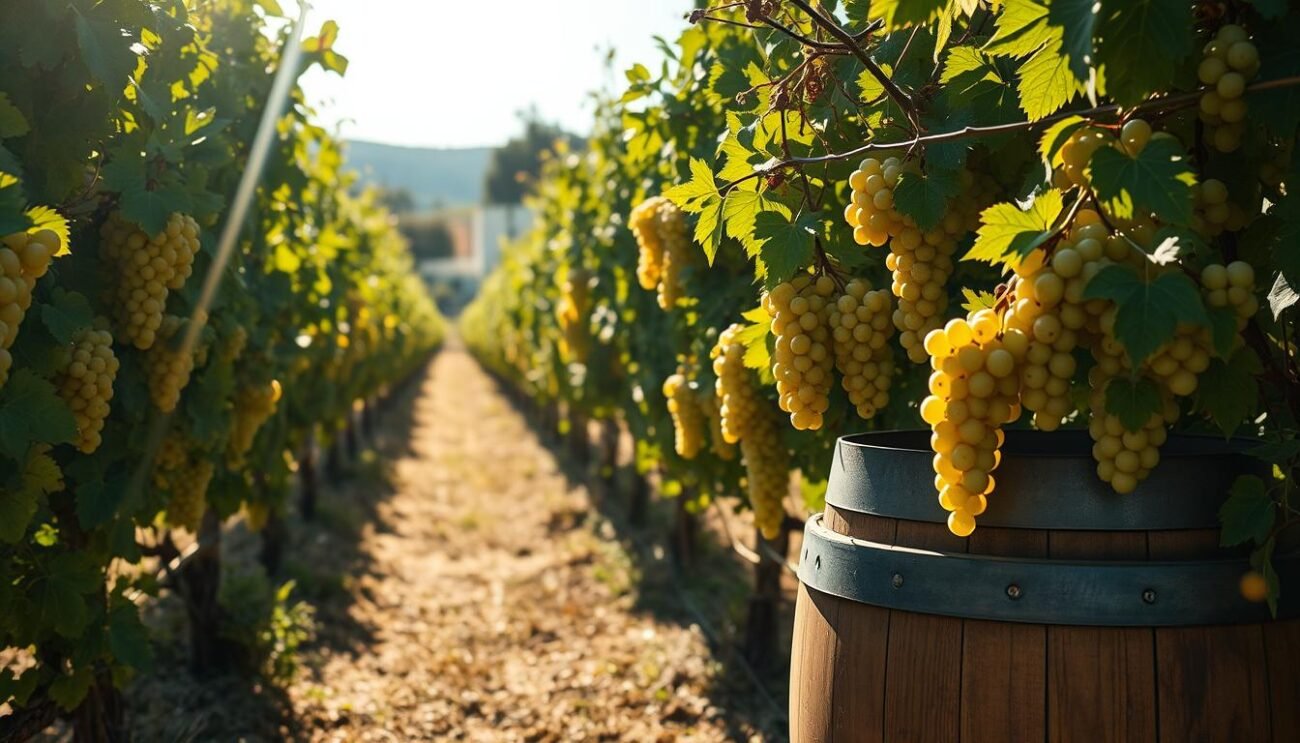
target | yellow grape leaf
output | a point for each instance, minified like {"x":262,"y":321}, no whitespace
{"x":45,"y":218}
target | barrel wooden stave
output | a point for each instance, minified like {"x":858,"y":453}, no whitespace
{"x":876,"y":674}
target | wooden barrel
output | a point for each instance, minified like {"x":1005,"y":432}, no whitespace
{"x":1071,"y":614}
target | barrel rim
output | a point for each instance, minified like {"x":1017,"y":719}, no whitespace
{"x":888,"y":475}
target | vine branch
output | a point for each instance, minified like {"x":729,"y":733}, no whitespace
{"x":1174,"y":101}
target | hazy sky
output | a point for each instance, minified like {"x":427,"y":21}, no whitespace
{"x":452,"y":73}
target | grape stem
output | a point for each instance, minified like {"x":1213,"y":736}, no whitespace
{"x":1168,"y":102}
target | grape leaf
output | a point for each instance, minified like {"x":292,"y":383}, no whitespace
{"x":1141,"y":45}
{"x":1158,"y":180}
{"x":870,"y":86}
{"x":976,"y":301}
{"x":32,"y":412}
{"x":45,"y":218}
{"x":1047,"y":83}
{"x":68,"y":690}
{"x":1248,"y":514}
{"x":1228,"y":391}
{"x":925,"y":196}
{"x":1277,"y":452}
{"x":12,"y":121}
{"x":1055,"y":137}
{"x":1147,"y":312}
{"x":904,"y":13}
{"x":58,"y":592}
{"x":786,"y":246}
{"x":128,"y":638}
{"x":1075,"y":18}
{"x":1132,"y":400}
{"x":1007,"y":233}
{"x":1261,"y":559}
{"x":700,"y":195}
{"x":754,"y":338}
{"x":66,"y":314}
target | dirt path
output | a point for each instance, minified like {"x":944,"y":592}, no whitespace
{"x":490,"y":606}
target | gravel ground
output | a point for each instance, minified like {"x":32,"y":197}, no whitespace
{"x":467,"y":589}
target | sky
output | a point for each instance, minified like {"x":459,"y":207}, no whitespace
{"x":454,"y":73}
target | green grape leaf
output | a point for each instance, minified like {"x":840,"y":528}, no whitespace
{"x":58,"y":594}
{"x":739,"y":213}
{"x":12,"y":203}
{"x":1248,"y":513}
{"x":976,"y":301}
{"x":925,"y":196}
{"x":19,"y":688}
{"x":700,"y":195}
{"x":1076,"y":19}
{"x":1158,"y":180}
{"x":786,"y":246}
{"x":1278,"y":109}
{"x":1047,"y":83}
{"x":966,"y":65}
{"x":1280,"y":452}
{"x":870,"y":86}
{"x":1228,"y":391}
{"x":45,"y":218}
{"x":1029,"y":29}
{"x":12,"y":121}
{"x":1147,"y":311}
{"x":904,"y":13}
{"x":32,"y":412}
{"x":754,"y":338}
{"x":1055,"y":137}
{"x":1007,"y":233}
{"x":66,"y":315}
{"x":150,"y":208}
{"x":1141,"y":45}
{"x":68,"y":690}
{"x":128,"y":638}
{"x":1223,"y":329}
{"x":103,"y":50}
{"x":1132,"y":400}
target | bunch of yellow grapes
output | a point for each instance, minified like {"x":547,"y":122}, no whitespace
{"x":688,"y":418}
{"x":1125,"y":458}
{"x":718,"y":444}
{"x":746,"y":419}
{"x":1214,"y":213}
{"x":1230,"y":61}
{"x":253,"y":406}
{"x":234,"y":344}
{"x":24,"y":258}
{"x":184,"y":477}
{"x":572,"y":312}
{"x":871,"y":211}
{"x":86,"y":385}
{"x":861,"y":326}
{"x":147,"y":268}
{"x":664,"y":247}
{"x":803,"y":359}
{"x":973,"y":393}
{"x":169,"y":366}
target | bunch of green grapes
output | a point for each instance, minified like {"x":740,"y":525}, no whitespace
{"x":1213,"y":211}
{"x":921,"y":263}
{"x":184,"y":478}
{"x":1230,"y":61}
{"x":234,"y":344}
{"x":1231,"y":286}
{"x":1048,"y":306}
{"x":86,"y":385}
{"x":718,"y":444}
{"x":803,"y":358}
{"x":870,"y":212}
{"x":664,"y":247}
{"x":688,"y":418}
{"x":1125,"y":458}
{"x":146,"y":268}
{"x":572,"y":312}
{"x":747,"y":421}
{"x":253,"y":406}
{"x":861,"y":326}
{"x":169,"y":367}
{"x":24,"y":258}
{"x":974,"y":391}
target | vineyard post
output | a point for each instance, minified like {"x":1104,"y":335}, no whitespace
{"x":638,"y":498}
{"x":200,"y":582}
{"x":761,"y":622}
{"x":307,"y":477}
{"x":274,"y":535}
{"x":684,"y":528}
{"x":610,"y":433}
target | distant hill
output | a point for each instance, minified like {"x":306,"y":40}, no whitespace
{"x":446,"y":177}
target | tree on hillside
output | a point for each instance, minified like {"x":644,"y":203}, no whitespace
{"x":516,"y":164}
